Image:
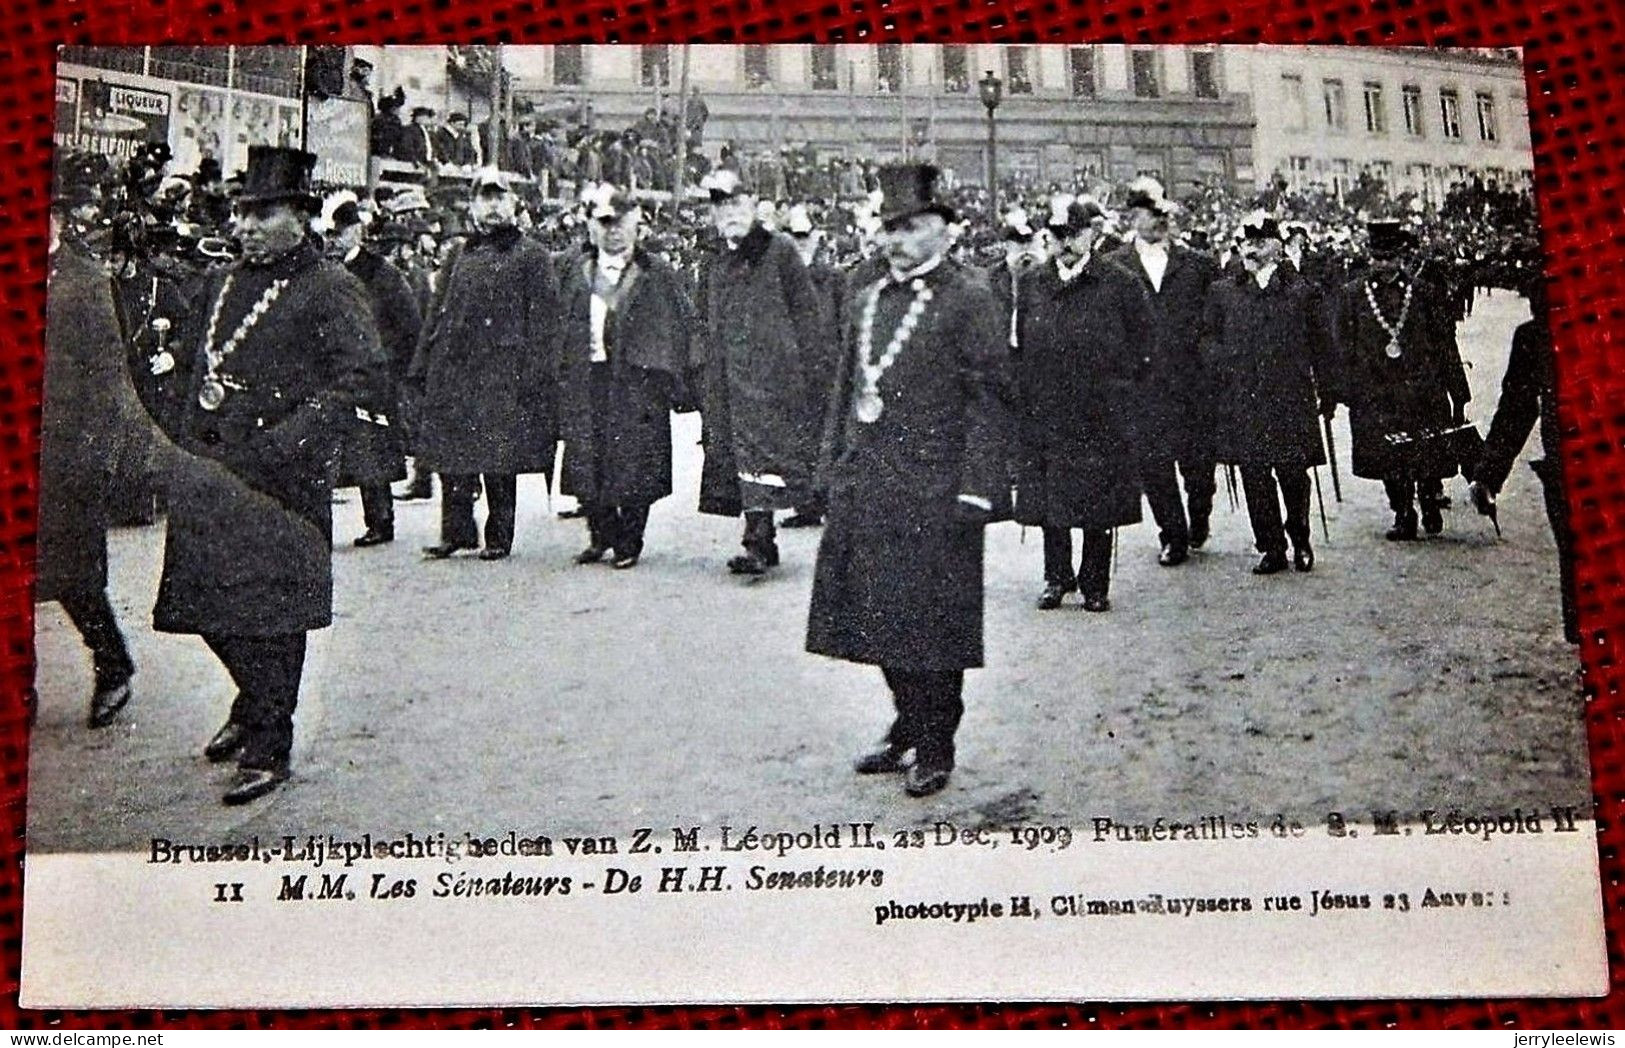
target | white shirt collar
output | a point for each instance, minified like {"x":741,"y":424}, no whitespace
{"x":613,"y":262}
{"x":1263,"y":273}
{"x":1147,"y":248}
{"x":918,"y":271}
{"x":1070,"y":273}
{"x":350,"y":255}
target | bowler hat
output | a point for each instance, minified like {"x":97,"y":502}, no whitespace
{"x":1071,"y":215}
{"x":908,"y":190}
{"x":1260,"y":226}
{"x":1386,"y":237}
{"x":278,"y":174}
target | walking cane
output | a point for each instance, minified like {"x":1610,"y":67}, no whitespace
{"x":1325,"y":532}
{"x":1331,"y":457}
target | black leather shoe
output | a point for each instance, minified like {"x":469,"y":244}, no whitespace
{"x":1096,"y":602}
{"x":1199,"y":533}
{"x":886,"y":760}
{"x":445,"y":549}
{"x":495,"y":553}
{"x":1053,"y":595}
{"x":802,"y":520}
{"x":226,"y":742}
{"x":374,"y":537}
{"x":922,"y":780}
{"x":1432,"y":519}
{"x":1404,"y":529}
{"x":105,"y":704}
{"x":1172,"y":556}
{"x":624,"y":563}
{"x":748,"y":564}
{"x":1270,"y":564}
{"x":1303,"y":559}
{"x":592,"y":554}
{"x":253,"y":783}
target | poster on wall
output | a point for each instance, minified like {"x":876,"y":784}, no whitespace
{"x":336,"y":131}
{"x":114,"y":119}
{"x":200,"y":125}
{"x":67,"y":109}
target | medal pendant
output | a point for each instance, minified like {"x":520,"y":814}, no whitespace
{"x":869,"y":407}
{"x":211,"y":395}
{"x":1393,"y":350}
{"x":163,"y":363}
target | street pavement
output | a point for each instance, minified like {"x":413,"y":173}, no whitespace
{"x":539,"y":696}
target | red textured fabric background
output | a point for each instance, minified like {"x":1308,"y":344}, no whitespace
{"x":1575,"y":64}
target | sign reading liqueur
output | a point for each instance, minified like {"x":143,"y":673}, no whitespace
{"x":114,"y":119}
{"x":336,"y":131}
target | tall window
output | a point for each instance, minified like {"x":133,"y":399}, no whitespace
{"x":757,"y":73}
{"x":1450,"y":112}
{"x":1376,"y":113}
{"x":1331,"y":92}
{"x":1413,"y":111}
{"x":825,"y":72}
{"x":889,"y":68}
{"x":1018,"y":68}
{"x":567,"y":65}
{"x":267,"y":70}
{"x":1382,"y":171}
{"x":1144,"y":67}
{"x":1151,"y":165}
{"x":1082,"y":60}
{"x":1212,"y":167}
{"x":1487,"y":131}
{"x":1297,"y":105}
{"x":956,"y":69}
{"x":1342,"y":177}
{"x":1298,"y":171}
{"x":1205,"y":73}
{"x":656,"y":62}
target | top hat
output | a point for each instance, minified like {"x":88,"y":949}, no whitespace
{"x":1386,"y":237}
{"x":908,"y":190}
{"x":278,"y":174}
{"x":1071,"y":215}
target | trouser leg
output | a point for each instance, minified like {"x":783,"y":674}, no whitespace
{"x":1162,"y":492}
{"x":1401,"y":491}
{"x":602,"y":525}
{"x":1557,"y":512}
{"x":1263,"y":508}
{"x":457,"y":492}
{"x":930,"y":704}
{"x":760,"y":534}
{"x":1058,"y":557}
{"x":502,"y":503}
{"x":1200,"y":487}
{"x":1095,"y":563}
{"x":92,"y":615}
{"x":1294,"y":483}
{"x":267,"y":671}
{"x":629,"y":532}
{"x":378,"y":508}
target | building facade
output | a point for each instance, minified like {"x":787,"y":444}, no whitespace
{"x":1418,"y":119}
{"x":1069,"y":113}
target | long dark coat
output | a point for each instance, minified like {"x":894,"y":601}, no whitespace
{"x":1082,"y":350}
{"x":486,"y":360}
{"x":760,"y":317}
{"x":648,"y":345}
{"x":1175,"y":393}
{"x":1419,"y":391}
{"x":829,"y":292}
{"x":898,"y":581}
{"x":248,"y":547}
{"x":374,"y":450}
{"x":90,"y":425}
{"x":1262,"y":347}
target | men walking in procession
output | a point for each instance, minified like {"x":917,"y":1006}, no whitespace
{"x":760,"y":323}
{"x":913,"y":462}
{"x":486,"y":367}
{"x":256,"y":398}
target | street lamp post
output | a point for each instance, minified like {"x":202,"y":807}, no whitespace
{"x":991,"y":89}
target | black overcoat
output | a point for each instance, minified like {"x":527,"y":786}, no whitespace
{"x":898,"y":581}
{"x":648,"y":346}
{"x":760,"y":327}
{"x":1082,"y":352}
{"x":1262,"y":347}
{"x":374,"y":450}
{"x":248,"y":548}
{"x":486,"y":360}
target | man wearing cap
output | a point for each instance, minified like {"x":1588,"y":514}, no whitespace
{"x":1175,"y":416}
{"x":418,"y":143}
{"x":760,"y":327}
{"x":456,"y":143}
{"x":255,"y":397}
{"x":485,"y":364}
{"x":829,"y":286}
{"x":1264,"y":345}
{"x":913,"y":463}
{"x":1396,"y":341}
{"x":623,"y":349}
{"x":1085,"y":322}
{"x":374,"y":450}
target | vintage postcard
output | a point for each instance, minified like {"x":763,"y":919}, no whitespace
{"x":738,"y":523}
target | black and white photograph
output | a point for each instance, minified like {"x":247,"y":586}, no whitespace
{"x":494,"y":470}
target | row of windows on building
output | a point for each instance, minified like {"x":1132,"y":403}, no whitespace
{"x":953,"y":69}
{"x":1341,"y":175}
{"x":1335,"y":109}
{"x":269,"y":70}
